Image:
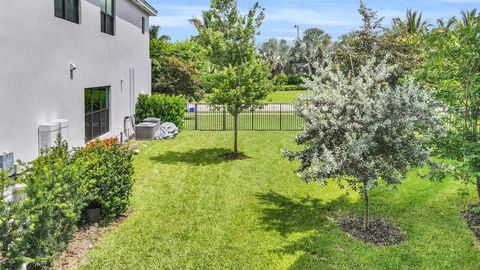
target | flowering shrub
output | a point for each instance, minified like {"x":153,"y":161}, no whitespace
{"x":107,"y":170}
{"x":58,"y":187}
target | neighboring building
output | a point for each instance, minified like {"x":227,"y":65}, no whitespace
{"x":81,"y":60}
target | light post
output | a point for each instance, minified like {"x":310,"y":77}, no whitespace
{"x":298,"y":30}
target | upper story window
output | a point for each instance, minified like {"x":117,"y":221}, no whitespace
{"x":143,"y":25}
{"x":107,"y":19}
{"x":67,"y":9}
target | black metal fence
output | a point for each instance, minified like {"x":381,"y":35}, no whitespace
{"x":269,"y":117}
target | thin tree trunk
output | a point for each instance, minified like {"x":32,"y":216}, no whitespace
{"x":235,"y":145}
{"x":366,"y":214}
{"x":478,"y":187}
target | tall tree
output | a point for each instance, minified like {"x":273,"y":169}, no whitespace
{"x":239,"y":79}
{"x":276,"y":52}
{"x":452,"y":70}
{"x":413,"y":24}
{"x":155,"y":33}
{"x":308,"y":53}
{"x":361,"y":129}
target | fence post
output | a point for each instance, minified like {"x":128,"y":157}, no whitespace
{"x":280,"y":117}
{"x":224,"y":118}
{"x":196,"y":116}
{"x":252,"y":110}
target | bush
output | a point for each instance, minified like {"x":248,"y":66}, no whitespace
{"x":289,"y":88}
{"x":167,"y":108}
{"x":58,"y":187}
{"x":281,"y":80}
{"x":108,"y":173}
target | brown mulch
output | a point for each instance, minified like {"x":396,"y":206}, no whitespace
{"x":473,"y":219}
{"x":381,"y":232}
{"x":233,"y":156}
{"x":82,"y":242}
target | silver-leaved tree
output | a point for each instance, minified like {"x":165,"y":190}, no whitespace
{"x":363,"y":131}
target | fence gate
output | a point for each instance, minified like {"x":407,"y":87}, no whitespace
{"x":269,"y":117}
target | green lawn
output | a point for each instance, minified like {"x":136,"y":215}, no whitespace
{"x":246,"y":121}
{"x":283,"y":96}
{"x":192,"y":210}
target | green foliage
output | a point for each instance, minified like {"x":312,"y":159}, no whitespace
{"x":172,"y":76}
{"x":239,"y":80}
{"x":362,"y":128}
{"x":281,"y":80}
{"x":452,"y":70}
{"x":57,"y":188}
{"x":276,"y":52}
{"x":308,"y":54}
{"x":108,"y":173}
{"x":167,"y":108}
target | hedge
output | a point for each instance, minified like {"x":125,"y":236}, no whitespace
{"x":167,"y":108}
{"x":58,"y":188}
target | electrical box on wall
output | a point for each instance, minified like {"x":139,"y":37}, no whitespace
{"x":7,"y":163}
{"x":48,"y":133}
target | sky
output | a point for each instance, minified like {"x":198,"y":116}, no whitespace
{"x":336,"y":17}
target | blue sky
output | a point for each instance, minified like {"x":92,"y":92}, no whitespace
{"x":334,"y":16}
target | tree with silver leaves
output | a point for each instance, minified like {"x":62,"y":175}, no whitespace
{"x":362,"y":130}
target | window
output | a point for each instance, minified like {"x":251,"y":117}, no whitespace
{"x":67,"y":9}
{"x":143,"y":25}
{"x":97,"y":112}
{"x":107,"y":20}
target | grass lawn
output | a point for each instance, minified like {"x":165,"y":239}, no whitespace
{"x":246,"y":121}
{"x":283,"y":96}
{"x":192,"y":210}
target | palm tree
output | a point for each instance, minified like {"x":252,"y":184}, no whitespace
{"x":155,"y":32}
{"x":413,"y":23}
{"x":468,"y":16}
{"x":276,"y":53}
{"x":308,"y":53}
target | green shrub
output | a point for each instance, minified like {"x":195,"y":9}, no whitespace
{"x":108,"y":175}
{"x":289,"y":88}
{"x":281,"y":80}
{"x":167,"y":108}
{"x":13,"y":226}
{"x":58,"y":188}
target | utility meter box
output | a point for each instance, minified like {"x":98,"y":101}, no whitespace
{"x":47,"y":135}
{"x":7,"y":163}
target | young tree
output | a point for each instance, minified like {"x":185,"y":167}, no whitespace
{"x":239,"y":80}
{"x":363,"y":130}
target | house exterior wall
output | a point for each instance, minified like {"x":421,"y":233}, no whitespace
{"x":36,"y":50}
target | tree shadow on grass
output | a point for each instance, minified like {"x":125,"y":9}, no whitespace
{"x":312,"y":216}
{"x":196,"y":157}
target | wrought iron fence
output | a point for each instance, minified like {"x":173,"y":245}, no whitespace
{"x":269,"y":117}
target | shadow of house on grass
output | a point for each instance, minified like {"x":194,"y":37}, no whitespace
{"x":311,"y":216}
{"x":195,"y":157}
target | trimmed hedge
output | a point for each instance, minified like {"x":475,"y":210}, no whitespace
{"x":58,"y":188}
{"x":290,"y":88}
{"x":167,"y":108}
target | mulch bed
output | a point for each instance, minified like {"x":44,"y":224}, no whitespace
{"x":232,"y":156}
{"x":381,"y":233}
{"x":82,"y":242}
{"x":473,"y":219}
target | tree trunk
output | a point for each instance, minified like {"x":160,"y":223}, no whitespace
{"x":235,"y":144}
{"x":478,"y":188}
{"x":366,"y":214}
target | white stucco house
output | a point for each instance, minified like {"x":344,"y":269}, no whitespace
{"x":85,"y":61}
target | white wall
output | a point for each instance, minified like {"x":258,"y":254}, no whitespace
{"x":36,"y":50}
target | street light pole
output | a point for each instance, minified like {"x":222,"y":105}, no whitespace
{"x":298,"y":30}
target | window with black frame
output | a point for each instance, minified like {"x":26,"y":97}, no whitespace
{"x":107,"y":20}
{"x":97,"y":112}
{"x":67,"y":10}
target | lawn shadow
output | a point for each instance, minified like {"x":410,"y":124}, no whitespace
{"x":289,"y":215}
{"x":312,"y":216}
{"x":196,"y":157}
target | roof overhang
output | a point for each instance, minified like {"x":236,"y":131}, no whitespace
{"x":145,"y":6}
